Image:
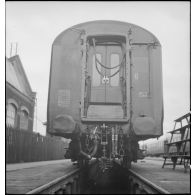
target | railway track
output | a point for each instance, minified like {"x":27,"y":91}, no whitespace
{"x":140,"y":185}
{"x":67,"y":184}
{"x":72,"y":183}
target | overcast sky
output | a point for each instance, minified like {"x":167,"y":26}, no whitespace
{"x":34,"y":25}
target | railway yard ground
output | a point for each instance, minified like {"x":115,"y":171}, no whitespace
{"x":25,"y":177}
{"x":174,"y":181}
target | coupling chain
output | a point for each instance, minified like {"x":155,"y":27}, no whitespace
{"x":121,"y":144}
{"x":87,"y":143}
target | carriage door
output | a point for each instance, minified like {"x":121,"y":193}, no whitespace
{"x":104,"y":70}
{"x":96,"y":73}
{"x":112,"y":87}
{"x":105,"y":83}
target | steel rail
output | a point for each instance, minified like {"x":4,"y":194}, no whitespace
{"x":69,"y":184}
{"x":140,"y":185}
{"x":66,"y":184}
{"x":56,"y":185}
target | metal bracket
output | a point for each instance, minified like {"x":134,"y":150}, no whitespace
{"x":105,"y":80}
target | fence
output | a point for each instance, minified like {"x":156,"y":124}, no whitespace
{"x":25,"y":146}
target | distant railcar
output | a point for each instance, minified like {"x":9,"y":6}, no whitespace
{"x":159,"y":147}
{"x":105,"y":89}
{"x":156,"y":147}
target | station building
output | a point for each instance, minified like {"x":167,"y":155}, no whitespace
{"x":20,"y":99}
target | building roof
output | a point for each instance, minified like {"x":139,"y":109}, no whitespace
{"x":16,"y":76}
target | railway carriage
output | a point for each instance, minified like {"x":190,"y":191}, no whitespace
{"x":105,"y":90}
{"x":159,"y":147}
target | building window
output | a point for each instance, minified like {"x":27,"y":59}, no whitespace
{"x":24,"y":120}
{"x":95,"y":75}
{"x":114,"y":61}
{"x":11,"y":115}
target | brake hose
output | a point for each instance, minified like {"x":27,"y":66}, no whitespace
{"x":120,"y":64}
{"x":109,"y":76}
